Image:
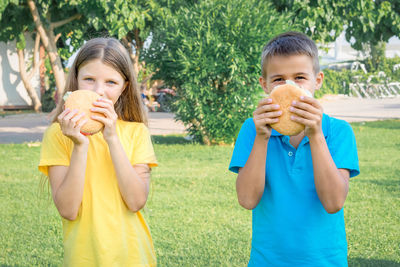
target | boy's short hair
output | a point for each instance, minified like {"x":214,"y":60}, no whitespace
{"x":290,"y":43}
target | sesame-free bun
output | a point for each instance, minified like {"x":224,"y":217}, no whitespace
{"x":284,"y":95}
{"x":82,"y":100}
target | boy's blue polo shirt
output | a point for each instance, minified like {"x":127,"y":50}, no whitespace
{"x":290,"y":226}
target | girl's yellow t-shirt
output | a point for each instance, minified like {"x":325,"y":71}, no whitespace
{"x":105,"y":232}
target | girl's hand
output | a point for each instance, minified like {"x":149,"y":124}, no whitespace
{"x":266,"y":114}
{"x":309,"y":113}
{"x":70,"y":126}
{"x":106,"y":107}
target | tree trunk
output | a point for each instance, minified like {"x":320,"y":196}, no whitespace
{"x":26,"y":80}
{"x":42,"y":69}
{"x":48,"y":40}
{"x":378,"y":54}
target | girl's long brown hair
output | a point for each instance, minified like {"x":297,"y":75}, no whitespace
{"x":111,"y":52}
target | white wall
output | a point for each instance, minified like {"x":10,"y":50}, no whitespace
{"x":340,"y":50}
{"x":12,"y":90}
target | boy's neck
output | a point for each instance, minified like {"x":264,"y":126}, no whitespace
{"x":295,"y":140}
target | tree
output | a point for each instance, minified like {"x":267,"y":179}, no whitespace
{"x":36,"y":17}
{"x":369,"y":24}
{"x":129,"y":21}
{"x":322,"y":20}
{"x":210,"y":53}
{"x":13,"y":26}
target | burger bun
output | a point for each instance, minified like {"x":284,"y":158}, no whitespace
{"x":284,"y":95}
{"x":82,"y":100}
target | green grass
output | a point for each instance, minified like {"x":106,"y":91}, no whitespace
{"x":192,"y":209}
{"x":5,"y":113}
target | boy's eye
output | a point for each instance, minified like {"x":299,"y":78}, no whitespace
{"x":300,"y":78}
{"x":277,"y":80}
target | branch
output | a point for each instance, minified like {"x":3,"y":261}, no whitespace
{"x":54,"y":25}
{"x":36,"y":64}
{"x":57,"y":37}
{"x":36,"y":48}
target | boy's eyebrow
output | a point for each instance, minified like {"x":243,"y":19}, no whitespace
{"x":296,"y":74}
{"x":302,"y":73}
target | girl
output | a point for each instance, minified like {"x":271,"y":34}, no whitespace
{"x":100,"y":183}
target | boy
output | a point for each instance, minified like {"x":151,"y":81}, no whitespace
{"x":295,"y":185}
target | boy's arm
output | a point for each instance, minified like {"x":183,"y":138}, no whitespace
{"x":331,"y":183}
{"x":250,"y":182}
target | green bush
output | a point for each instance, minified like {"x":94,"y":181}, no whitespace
{"x":335,"y":82}
{"x":338,"y":81}
{"x":210,"y":53}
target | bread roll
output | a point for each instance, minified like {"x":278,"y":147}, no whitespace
{"x":82,"y":100}
{"x":284,"y":95}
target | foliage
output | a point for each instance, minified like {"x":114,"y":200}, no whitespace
{"x":335,"y":82}
{"x":369,"y":24}
{"x":322,"y":20}
{"x":193,"y":213}
{"x":47,"y":99}
{"x":338,"y":81}
{"x":210,"y":53}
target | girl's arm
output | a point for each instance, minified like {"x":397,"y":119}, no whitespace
{"x":133,"y":181}
{"x":331,"y":183}
{"x":67,"y":183}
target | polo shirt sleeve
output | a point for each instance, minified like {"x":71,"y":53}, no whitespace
{"x":55,"y":150}
{"x":243,"y":146}
{"x":143,"y":152}
{"x":342,"y":146}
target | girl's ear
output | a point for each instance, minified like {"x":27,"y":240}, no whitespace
{"x":319,"y":79}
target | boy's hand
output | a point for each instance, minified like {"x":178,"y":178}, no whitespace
{"x":265,"y":114}
{"x":309,"y":113}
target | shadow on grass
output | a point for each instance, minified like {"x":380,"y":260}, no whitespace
{"x":383,"y":183}
{"x":383,"y":124}
{"x":360,"y":262}
{"x":171,"y":140}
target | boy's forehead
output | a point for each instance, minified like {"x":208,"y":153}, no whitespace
{"x":282,"y":65}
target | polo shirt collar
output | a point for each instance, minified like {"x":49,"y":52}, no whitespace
{"x":325,"y":128}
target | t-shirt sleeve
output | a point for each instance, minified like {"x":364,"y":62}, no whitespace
{"x":343,"y":148}
{"x":55,"y":149}
{"x":143,"y":152}
{"x":243,"y":146}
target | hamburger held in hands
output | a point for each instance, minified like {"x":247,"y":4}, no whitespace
{"x":82,"y":100}
{"x":284,"y":95}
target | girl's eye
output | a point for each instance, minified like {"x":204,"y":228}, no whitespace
{"x":88,"y":79}
{"x":111,"y":82}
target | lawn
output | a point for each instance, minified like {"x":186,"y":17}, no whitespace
{"x":192,"y":210}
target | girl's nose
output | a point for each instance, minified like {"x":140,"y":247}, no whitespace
{"x":99,"y":89}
